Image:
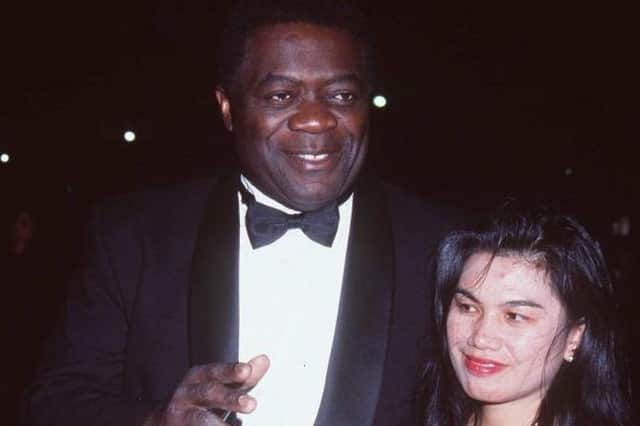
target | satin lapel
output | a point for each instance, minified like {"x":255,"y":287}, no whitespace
{"x":357,"y":358}
{"x":213,"y":284}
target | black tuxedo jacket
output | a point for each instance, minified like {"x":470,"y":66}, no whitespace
{"x":159,"y":294}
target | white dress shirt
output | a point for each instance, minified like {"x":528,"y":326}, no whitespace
{"x":289,"y":299}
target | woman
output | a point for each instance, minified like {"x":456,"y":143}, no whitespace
{"x":524,"y":314}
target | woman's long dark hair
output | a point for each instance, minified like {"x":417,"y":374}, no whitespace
{"x":588,"y":391}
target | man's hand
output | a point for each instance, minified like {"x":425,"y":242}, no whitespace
{"x":210,"y":388}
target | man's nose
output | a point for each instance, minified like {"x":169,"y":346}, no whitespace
{"x":313,"y":117}
{"x":485,"y":334}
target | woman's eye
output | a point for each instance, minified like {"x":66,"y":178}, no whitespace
{"x":515,"y":317}
{"x":465,"y":307}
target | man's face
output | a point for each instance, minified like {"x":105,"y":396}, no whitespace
{"x":299,"y":112}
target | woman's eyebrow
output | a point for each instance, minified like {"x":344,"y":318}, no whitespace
{"x":512,"y":303}
{"x":467,"y":294}
{"x":526,"y":303}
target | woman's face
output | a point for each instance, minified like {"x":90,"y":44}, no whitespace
{"x":506,"y":330}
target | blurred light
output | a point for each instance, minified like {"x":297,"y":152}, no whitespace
{"x":129,"y":136}
{"x":4,"y":157}
{"x":379,"y":101}
{"x":568,"y":171}
{"x":622,"y":226}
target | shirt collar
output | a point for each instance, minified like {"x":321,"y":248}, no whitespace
{"x":263,"y":198}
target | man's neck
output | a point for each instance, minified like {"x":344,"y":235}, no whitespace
{"x":263,"y":198}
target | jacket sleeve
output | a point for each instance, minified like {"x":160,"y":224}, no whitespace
{"x":80,"y":378}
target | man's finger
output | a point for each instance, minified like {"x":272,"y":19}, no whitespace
{"x":217,"y":395}
{"x":259,"y":367}
{"x":229,"y":373}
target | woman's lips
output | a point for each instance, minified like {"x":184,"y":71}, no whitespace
{"x":481,"y":366}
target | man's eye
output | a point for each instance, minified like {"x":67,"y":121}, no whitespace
{"x":343,"y":97}
{"x":279,"y":97}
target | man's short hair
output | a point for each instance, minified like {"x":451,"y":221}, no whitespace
{"x":250,"y":15}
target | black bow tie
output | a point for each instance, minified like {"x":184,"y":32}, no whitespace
{"x":266,"y":224}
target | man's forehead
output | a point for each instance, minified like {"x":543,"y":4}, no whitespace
{"x":285,"y":48}
{"x":295,"y":31}
{"x":300,"y":39}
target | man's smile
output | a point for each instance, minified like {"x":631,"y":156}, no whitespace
{"x":305,"y":162}
{"x":313,"y":157}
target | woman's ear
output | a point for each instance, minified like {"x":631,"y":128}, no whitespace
{"x":573,"y":340}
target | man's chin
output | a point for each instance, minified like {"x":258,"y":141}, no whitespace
{"x":312,"y":200}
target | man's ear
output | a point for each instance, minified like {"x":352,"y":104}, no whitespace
{"x":225,"y":107}
{"x":573,"y":340}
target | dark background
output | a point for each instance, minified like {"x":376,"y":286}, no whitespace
{"x":482,"y":97}
{"x":485,"y":99}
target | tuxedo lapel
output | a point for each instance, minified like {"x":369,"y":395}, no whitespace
{"x":357,"y":358}
{"x":213,"y":283}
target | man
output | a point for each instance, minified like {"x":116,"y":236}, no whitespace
{"x":327,"y":311}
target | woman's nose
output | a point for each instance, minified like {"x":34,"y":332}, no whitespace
{"x":485,"y":334}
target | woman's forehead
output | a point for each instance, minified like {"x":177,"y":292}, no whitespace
{"x":503,"y":277}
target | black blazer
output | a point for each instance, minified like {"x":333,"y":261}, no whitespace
{"x":158,"y":294}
